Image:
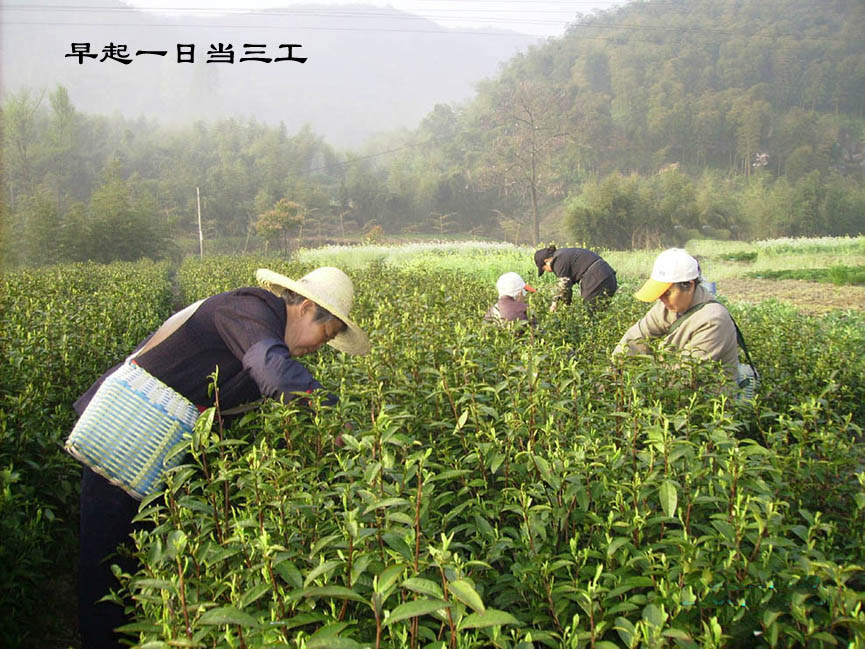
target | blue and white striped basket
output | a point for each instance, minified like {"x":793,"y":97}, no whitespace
{"x":130,"y":425}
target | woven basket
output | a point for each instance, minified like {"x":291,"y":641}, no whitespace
{"x":748,"y":380}
{"x":133,"y":421}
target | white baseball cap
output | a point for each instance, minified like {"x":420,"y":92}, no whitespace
{"x":671,"y":266}
{"x":511,"y":284}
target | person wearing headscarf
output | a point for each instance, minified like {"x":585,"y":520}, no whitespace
{"x":685,"y":314}
{"x":596,"y":278}
{"x":511,"y":305}
{"x":253,"y":337}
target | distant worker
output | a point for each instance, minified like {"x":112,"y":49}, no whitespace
{"x":685,"y":314}
{"x":596,"y":277}
{"x":511,"y":305}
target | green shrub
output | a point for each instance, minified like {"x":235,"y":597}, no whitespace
{"x":492,"y":490}
{"x":740,"y":256}
{"x":514,"y":492}
{"x":838,"y":275}
{"x":60,"y":328}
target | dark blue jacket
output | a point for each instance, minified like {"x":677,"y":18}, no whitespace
{"x":240,"y":332}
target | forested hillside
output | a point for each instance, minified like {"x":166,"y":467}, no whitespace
{"x":718,"y":89}
{"x":643,"y":126}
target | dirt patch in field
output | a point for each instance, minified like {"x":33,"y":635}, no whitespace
{"x":809,"y":297}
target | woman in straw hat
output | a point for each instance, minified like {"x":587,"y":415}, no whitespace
{"x":252,"y":336}
{"x":684,"y":313}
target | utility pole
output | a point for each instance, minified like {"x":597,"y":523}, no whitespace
{"x":200,"y":233}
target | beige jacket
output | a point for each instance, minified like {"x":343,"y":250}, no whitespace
{"x":707,"y":333}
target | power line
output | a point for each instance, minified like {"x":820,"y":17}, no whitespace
{"x":496,"y":19}
{"x":346,"y":163}
{"x":283,"y":27}
{"x":270,"y":12}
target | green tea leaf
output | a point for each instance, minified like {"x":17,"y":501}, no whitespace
{"x":424,"y":587}
{"x":327,"y":566}
{"x":175,"y":544}
{"x":303,"y":619}
{"x":228,"y":615}
{"x":490,"y":617}
{"x":388,"y":576}
{"x":629,"y":584}
{"x":333,"y":642}
{"x":415,"y":608}
{"x":654,"y":616}
{"x":678,"y":634}
{"x":289,"y":572}
{"x":669,"y":497}
{"x":466,"y":593}
{"x":626,"y":630}
{"x":336,"y":592}
{"x":385,"y":503}
{"x":615,"y":544}
{"x":253,"y":594}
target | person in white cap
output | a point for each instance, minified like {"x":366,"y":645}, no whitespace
{"x":511,"y":305}
{"x":685,"y":314}
{"x":252,"y":336}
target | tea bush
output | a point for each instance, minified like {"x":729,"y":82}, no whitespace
{"x":494,"y":489}
{"x":503,"y":490}
{"x":839,"y":275}
{"x":60,"y":328}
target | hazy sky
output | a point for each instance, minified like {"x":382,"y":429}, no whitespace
{"x":537,"y":17}
{"x":368,"y":72}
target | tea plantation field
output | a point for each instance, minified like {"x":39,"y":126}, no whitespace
{"x":490,"y":489}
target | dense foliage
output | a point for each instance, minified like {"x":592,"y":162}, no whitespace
{"x":509,"y":491}
{"x":60,"y":328}
{"x":754,"y":110}
{"x":493,"y":489}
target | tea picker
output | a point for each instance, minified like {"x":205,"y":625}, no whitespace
{"x":687,"y":317}
{"x":133,"y":416}
{"x":511,"y":305}
{"x":596,"y":278}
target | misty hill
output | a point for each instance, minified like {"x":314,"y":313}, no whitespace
{"x":641,"y":127}
{"x":368,"y":68}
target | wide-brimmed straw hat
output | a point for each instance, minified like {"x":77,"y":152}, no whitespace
{"x":331,"y":289}
{"x":671,"y":266}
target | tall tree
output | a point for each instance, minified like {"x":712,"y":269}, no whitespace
{"x":21,"y":132}
{"x":523,"y":122}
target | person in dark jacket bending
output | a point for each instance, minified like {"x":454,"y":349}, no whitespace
{"x":596,"y":277}
{"x":252,"y":336}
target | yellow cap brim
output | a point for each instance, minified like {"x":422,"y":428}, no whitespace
{"x":652,"y":290}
